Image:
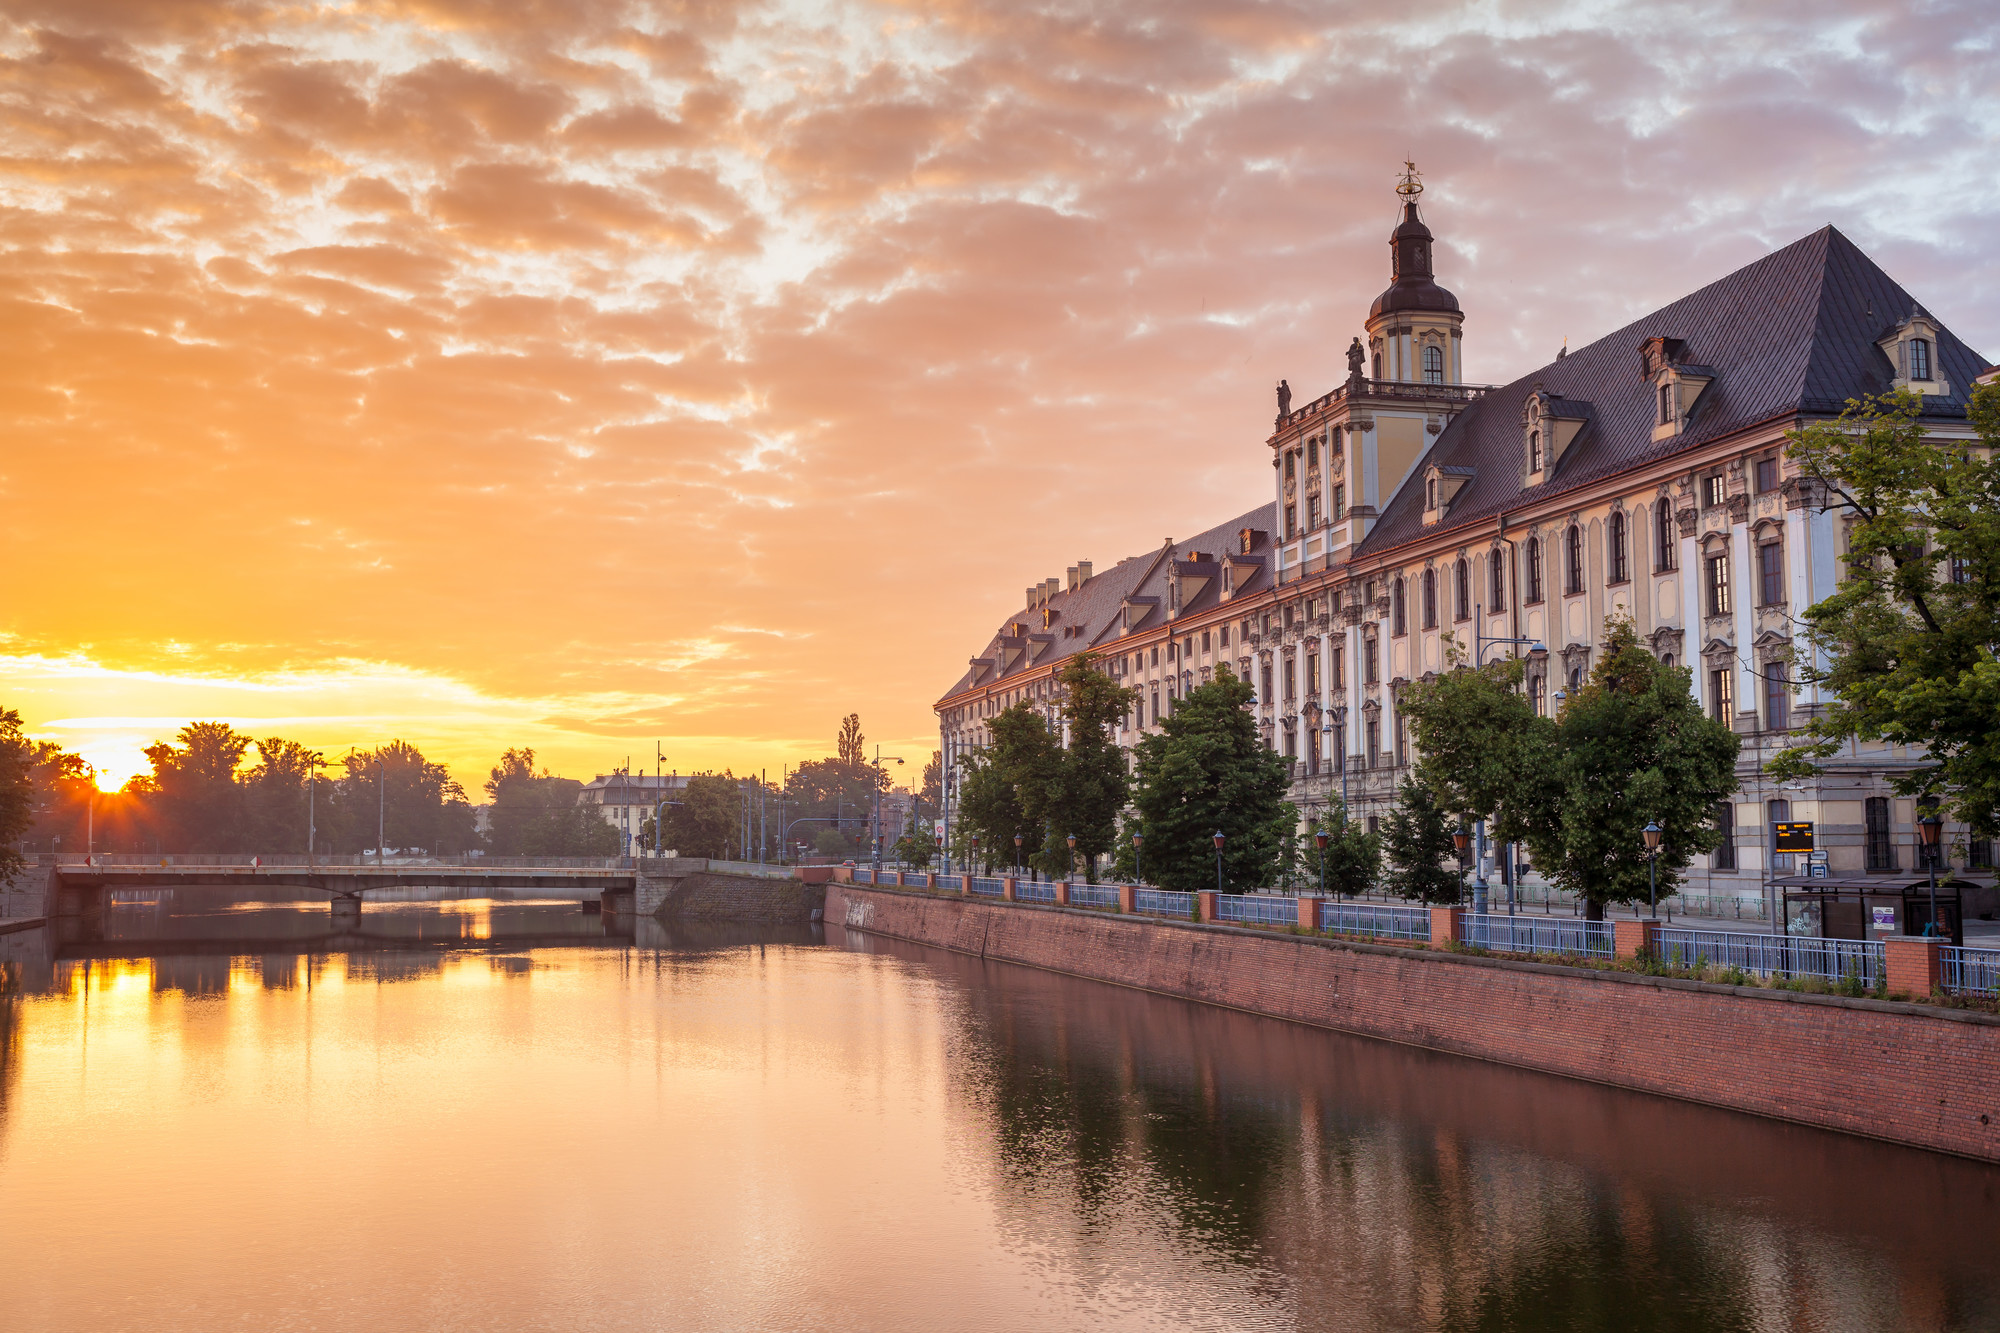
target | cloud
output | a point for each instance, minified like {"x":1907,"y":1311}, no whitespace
{"x":708,"y":372}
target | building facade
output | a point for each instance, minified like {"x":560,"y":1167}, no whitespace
{"x":1418,"y":520}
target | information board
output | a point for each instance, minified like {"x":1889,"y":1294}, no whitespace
{"x":1794,"y":837}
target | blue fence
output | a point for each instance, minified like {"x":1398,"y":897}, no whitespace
{"x":1093,"y":895}
{"x":985,"y":887}
{"x":952,"y":882}
{"x":1375,"y":919}
{"x":1971,"y":971}
{"x":1537,"y":934}
{"x":1256,"y":909}
{"x":1034,"y":891}
{"x":1775,"y":955}
{"x":1162,"y":902}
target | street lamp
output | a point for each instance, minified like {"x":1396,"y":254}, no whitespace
{"x":1218,"y":860}
{"x":1652,"y":831}
{"x":1072,"y":857}
{"x":1460,"y":840}
{"x":1319,"y":841}
{"x":1339,"y":725}
{"x":878,"y":806}
{"x":1138,"y":856}
{"x":1928,"y":829}
{"x":975,"y":849}
{"x":1017,"y":855}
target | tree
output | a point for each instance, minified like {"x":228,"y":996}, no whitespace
{"x":275,"y":798}
{"x":989,"y":808}
{"x":707,"y":822}
{"x":1090,"y":784}
{"x":1027,"y":756}
{"x":916,"y":847}
{"x":848,"y":747}
{"x":1353,"y":856}
{"x":535,"y":813}
{"x":194,"y":798}
{"x":1416,"y":839}
{"x":395,"y":798}
{"x":932,"y":793}
{"x":1906,"y":645}
{"x":1206,"y":771}
{"x":1629,"y":746}
{"x":17,"y":789}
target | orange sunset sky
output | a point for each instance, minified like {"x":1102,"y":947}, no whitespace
{"x":581,"y":375}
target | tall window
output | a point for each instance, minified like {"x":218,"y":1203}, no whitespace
{"x":1368,"y":673}
{"x":1312,"y":674}
{"x":1879,"y":850}
{"x":1722,"y":696}
{"x":1312,"y":511}
{"x":1724,"y":856}
{"x":1771,"y":573}
{"x":1434,"y":365}
{"x":1534,"y":570}
{"x":1538,"y":688}
{"x":1667,"y":403}
{"x":1291,"y":521}
{"x":1339,"y":755}
{"x":1339,"y":503}
{"x":1266,"y":673}
{"x":1430,"y":493}
{"x":1462,"y":589}
{"x":1534,"y":451}
{"x":1767,"y":475}
{"x":1339,"y":667}
{"x":1712,"y":492}
{"x":1291,"y":464}
{"x":1777,"y":697}
{"x":1496,"y":570}
{"x":1291,"y":680}
{"x":1718,"y":585}
{"x":1920,"y":359}
{"x":1574,"y":562}
{"x":1398,"y":611}
{"x":1374,"y":742}
{"x":1312,"y":451}
{"x":1615,"y":532}
{"x":1402,"y":742}
{"x":1430,"y":599}
{"x":1663,"y":535}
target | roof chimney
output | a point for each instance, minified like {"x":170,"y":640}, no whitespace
{"x":1073,"y":580}
{"x":1034,"y":589}
{"x":1050,"y":587}
{"x":1082,"y":572}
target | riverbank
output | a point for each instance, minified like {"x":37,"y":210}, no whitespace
{"x":1904,"y":1073}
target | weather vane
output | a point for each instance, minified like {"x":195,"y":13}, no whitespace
{"x":1411,"y":185}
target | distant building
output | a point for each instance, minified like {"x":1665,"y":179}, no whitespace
{"x":627,"y":800}
{"x":1643,"y":475}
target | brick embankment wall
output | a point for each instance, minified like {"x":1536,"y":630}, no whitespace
{"x":685,"y":889}
{"x":24,"y":895}
{"x":1905,"y":1073}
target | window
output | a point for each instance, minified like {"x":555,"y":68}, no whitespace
{"x":1979,"y":854}
{"x":1368,"y":676}
{"x":1339,"y":667}
{"x":1291,"y":742}
{"x":1712,"y":492}
{"x":1378,"y":365}
{"x":1430,"y":493}
{"x":1722,"y":696}
{"x":1339,"y":744}
{"x":1291,"y":680}
{"x":1960,"y":570}
{"x":1496,"y":571}
{"x":1718,"y":585}
{"x":1538,"y":689}
{"x":1312,"y":452}
{"x":1880,"y":852}
{"x":1430,"y":599}
{"x":1312,"y":674}
{"x":1291,"y":464}
{"x":1204,"y":640}
{"x":1374,"y":743}
{"x":1771,"y":574}
{"x":1667,"y":403}
{"x":1312,"y":511}
{"x":1534,"y":570}
{"x":1767,"y":475}
{"x":1615,"y":535}
{"x":1777,"y":697}
{"x":1574,"y":563}
{"x":1663,"y":536}
{"x":1724,"y":856}
{"x":1462,"y":588}
{"x":1397,"y":610}
{"x":1402,"y":743}
{"x":1156,"y":654}
{"x":1339,"y":503}
{"x":1222,"y":637}
{"x":1291,"y":521}
{"x":1267,"y":683}
{"x":1434,"y":365}
{"x":1374,"y":825}
{"x":1920,"y":359}
{"x":1534,"y":451}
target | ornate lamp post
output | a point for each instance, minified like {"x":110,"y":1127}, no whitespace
{"x":1652,"y":833}
{"x":973,"y":868}
{"x":1017,"y":855}
{"x":1928,"y":830}
{"x":1218,"y":860}
{"x":1072,"y":857}
{"x":1138,"y":853}
{"x":1460,"y":840}
{"x":1319,"y":841}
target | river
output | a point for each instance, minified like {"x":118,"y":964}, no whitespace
{"x":481,"y":1115}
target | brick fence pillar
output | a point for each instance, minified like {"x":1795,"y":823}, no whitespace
{"x":1915,"y":965}
{"x":1445,"y":925}
{"x":930,"y":880}
{"x":1631,"y":938}
{"x":1309,"y":913}
{"x":1126,"y":902}
{"x":1062,"y":893}
{"x":965,"y":883}
{"x":1204,"y":901}
{"x":1007,"y":883}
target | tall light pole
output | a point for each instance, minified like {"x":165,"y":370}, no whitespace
{"x":1460,"y":840}
{"x":878,"y":806}
{"x":1652,"y":833}
{"x":1218,"y":860}
{"x":1319,"y":841}
{"x":1928,"y":829}
{"x":1072,"y":858}
{"x":381,"y":808}
{"x":1017,"y":855}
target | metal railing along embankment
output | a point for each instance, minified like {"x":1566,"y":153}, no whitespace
{"x":1774,"y":955}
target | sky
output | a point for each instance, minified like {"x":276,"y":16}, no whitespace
{"x":605,"y":376}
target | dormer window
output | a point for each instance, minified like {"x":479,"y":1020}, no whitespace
{"x":1667,"y":403}
{"x":1912,"y":349}
{"x":1920,"y":358}
{"x":1431,"y":493}
{"x":1534,"y":451}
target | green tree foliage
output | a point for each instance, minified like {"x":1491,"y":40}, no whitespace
{"x":195,"y":802}
{"x":535,"y":813}
{"x":1353,"y":856}
{"x":406,"y":801}
{"x":17,"y":789}
{"x":834,"y":842}
{"x":708,"y":820}
{"x":1206,"y":771}
{"x":1629,"y":746}
{"x":1090,"y":784}
{"x":835,"y":794}
{"x":932,"y":791}
{"x":848,"y":745}
{"x":1908,"y":641}
{"x":275,"y":797}
{"x":992,"y":807}
{"x":917,"y":845}
{"x":1416,"y":840}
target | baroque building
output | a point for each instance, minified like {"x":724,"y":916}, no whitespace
{"x":1418,"y":519}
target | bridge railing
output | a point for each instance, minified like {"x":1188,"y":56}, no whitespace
{"x":299,"y":861}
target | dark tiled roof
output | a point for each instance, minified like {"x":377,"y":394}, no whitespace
{"x":1097,"y":605}
{"x":1794,"y":332}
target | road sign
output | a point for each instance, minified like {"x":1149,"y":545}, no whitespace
{"x":1816,"y":870}
{"x":1794,"y":837}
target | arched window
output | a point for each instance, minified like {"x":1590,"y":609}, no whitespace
{"x":1496,"y":578}
{"x":1401,"y":612}
{"x":1663,"y":535}
{"x":1534,"y":451}
{"x":1378,"y":365}
{"x":1667,"y":403}
{"x":1920,"y":359}
{"x":1434,"y":365}
{"x":1534,"y":570}
{"x":1430,"y":599}
{"x":1574,"y":572}
{"x":1615,"y":561}
{"x":1431,"y":493}
{"x":1666,"y":659}
{"x":1462,"y":588}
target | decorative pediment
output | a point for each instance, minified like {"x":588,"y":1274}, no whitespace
{"x":1912,"y":349}
{"x":1549,"y":426}
{"x":1134,"y":611}
{"x":1665,"y":641}
{"x":1718,"y":653}
{"x":1441,"y":486}
{"x":1674,"y":382}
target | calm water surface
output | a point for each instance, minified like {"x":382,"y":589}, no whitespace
{"x":477,"y":1115}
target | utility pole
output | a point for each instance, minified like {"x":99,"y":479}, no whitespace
{"x":381,"y":809}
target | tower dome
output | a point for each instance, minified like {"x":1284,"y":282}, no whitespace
{"x":1413,"y":285}
{"x":1415,"y":328}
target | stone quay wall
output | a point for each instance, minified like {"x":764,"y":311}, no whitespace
{"x":1905,"y":1073}
{"x":691,"y":889}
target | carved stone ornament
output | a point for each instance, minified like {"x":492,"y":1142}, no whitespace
{"x":1803,"y":492}
{"x":1665,"y":640}
{"x":1718,"y":653}
{"x":1739,"y":508}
